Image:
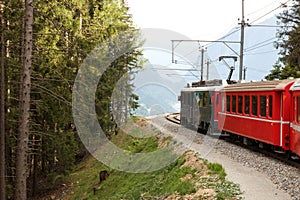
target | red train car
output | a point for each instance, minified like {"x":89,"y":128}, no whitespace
{"x":295,"y":118}
{"x":260,"y":111}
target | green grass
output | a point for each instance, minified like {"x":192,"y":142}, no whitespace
{"x":225,"y":189}
{"x":121,"y":185}
{"x":216,"y":168}
{"x":167,"y":181}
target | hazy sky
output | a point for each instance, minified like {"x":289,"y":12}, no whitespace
{"x":199,"y":19}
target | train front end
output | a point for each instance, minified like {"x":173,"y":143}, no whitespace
{"x":200,"y":105}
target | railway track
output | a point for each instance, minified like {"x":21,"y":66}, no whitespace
{"x":284,"y":158}
{"x":280,"y":168}
{"x":173,"y":117}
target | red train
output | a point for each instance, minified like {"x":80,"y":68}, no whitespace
{"x":265,"y":113}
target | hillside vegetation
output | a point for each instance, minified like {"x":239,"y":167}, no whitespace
{"x":189,"y":177}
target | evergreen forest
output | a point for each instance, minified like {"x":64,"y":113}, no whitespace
{"x":43,"y":44}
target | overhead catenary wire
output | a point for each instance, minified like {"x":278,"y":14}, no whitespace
{"x":257,"y":47}
{"x":254,"y":25}
{"x":176,"y":69}
{"x":269,"y":12}
{"x":250,"y":24}
{"x":223,"y":37}
{"x":260,"y":53}
{"x":268,"y":26}
{"x":262,"y":8}
{"x":188,"y":54}
{"x":260,"y":43}
{"x":257,"y":70}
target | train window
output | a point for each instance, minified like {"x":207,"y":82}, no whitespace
{"x":217,"y":99}
{"x":200,"y":95}
{"x":223,"y":103}
{"x":247,"y":104}
{"x":227,"y":103}
{"x":185,"y":98}
{"x":197,"y":98}
{"x":270,"y":106}
{"x":206,"y":99}
{"x":263,"y":105}
{"x":233,"y":104}
{"x":240,"y":104}
{"x":298,"y":113}
{"x":197,"y":95}
{"x":254,"y":105}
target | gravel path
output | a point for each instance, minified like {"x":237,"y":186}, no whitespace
{"x":260,"y":177}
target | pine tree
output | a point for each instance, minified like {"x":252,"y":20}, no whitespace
{"x":288,"y":42}
{"x":13,"y":12}
{"x":23,"y":134}
{"x":290,"y":35}
{"x":2,"y":111}
{"x":64,"y":33}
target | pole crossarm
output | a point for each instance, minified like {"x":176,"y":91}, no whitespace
{"x":212,"y":41}
{"x":177,"y":42}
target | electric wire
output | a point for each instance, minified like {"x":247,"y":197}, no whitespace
{"x":260,"y":53}
{"x":280,"y":6}
{"x":255,"y":46}
{"x":262,"y":8}
{"x":263,"y":45}
{"x":260,"y":43}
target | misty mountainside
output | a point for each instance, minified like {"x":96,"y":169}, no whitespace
{"x":158,"y":92}
{"x":159,"y":83}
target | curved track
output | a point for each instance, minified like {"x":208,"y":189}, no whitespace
{"x":175,"y":118}
{"x":282,"y":157}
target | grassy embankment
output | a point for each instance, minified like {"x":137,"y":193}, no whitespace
{"x":189,"y":177}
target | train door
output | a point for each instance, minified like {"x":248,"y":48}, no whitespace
{"x":215,"y":109}
{"x":195,"y":107}
{"x":185,"y":110}
{"x":295,"y":124}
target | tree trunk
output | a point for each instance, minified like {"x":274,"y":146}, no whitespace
{"x":36,"y":138}
{"x":22,"y":146}
{"x":2,"y":115}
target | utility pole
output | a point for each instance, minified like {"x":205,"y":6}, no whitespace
{"x":175,"y":43}
{"x":207,"y":70}
{"x":243,"y":24}
{"x":245,"y":69}
{"x":202,"y":64}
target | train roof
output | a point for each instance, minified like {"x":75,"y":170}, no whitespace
{"x":275,"y":85}
{"x":296,"y":85}
{"x":211,"y":85}
{"x":207,"y":88}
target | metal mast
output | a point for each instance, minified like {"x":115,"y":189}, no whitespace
{"x":202,"y":64}
{"x":242,"y":43}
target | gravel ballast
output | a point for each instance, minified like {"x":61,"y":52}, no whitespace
{"x":259,"y":176}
